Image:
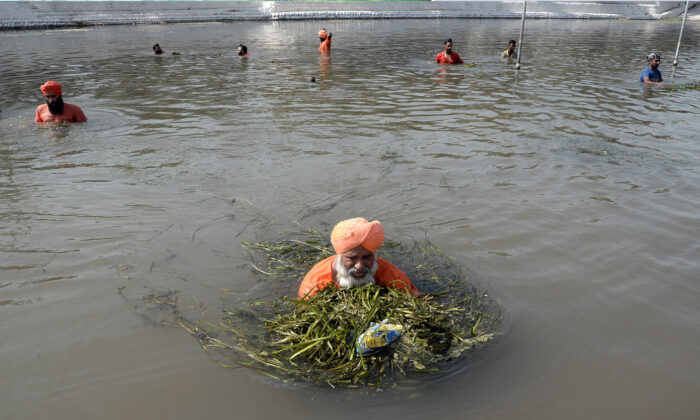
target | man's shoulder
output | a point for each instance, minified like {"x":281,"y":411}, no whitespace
{"x":74,"y":113}
{"x":653,"y":74}
{"x":383,"y":264}
{"x":321,"y":266}
{"x":71,"y":107}
{"x":317,"y":278}
{"x":381,"y":260}
{"x":41,"y":111}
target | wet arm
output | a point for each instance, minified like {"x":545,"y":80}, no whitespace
{"x":647,"y":81}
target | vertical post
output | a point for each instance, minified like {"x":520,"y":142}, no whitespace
{"x":678,"y":47}
{"x":520,"y":41}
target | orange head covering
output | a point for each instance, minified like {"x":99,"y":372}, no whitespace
{"x":351,"y":233}
{"x":53,"y":87}
{"x":322,"y":33}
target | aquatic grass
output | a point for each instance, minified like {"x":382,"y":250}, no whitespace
{"x":314,"y":340}
{"x":690,"y":86}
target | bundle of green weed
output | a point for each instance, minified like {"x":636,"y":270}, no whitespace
{"x":690,"y":86}
{"x":314,"y":340}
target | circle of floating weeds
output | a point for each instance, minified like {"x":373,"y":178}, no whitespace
{"x":314,"y":340}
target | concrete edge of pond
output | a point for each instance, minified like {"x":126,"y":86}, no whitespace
{"x":23,"y":15}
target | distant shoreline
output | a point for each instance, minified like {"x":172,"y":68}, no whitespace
{"x":29,"y":15}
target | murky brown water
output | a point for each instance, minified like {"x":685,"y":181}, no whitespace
{"x":567,"y":189}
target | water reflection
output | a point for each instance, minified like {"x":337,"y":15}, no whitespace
{"x":324,"y":62}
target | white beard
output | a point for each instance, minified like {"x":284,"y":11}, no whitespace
{"x":346,"y":280}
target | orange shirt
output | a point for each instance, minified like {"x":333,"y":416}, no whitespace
{"x":453,"y":58}
{"x":325,"y":45}
{"x":71,"y":113}
{"x":321,"y":276}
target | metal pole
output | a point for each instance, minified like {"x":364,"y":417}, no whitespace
{"x":678,"y":47}
{"x":520,"y":41}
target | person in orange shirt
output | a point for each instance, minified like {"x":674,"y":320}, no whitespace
{"x":55,"y":110}
{"x":355,"y":241}
{"x":325,"y":38}
{"x":243,"y":50}
{"x":448,"y":56}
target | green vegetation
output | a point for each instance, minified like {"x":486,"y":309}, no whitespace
{"x":690,"y":86}
{"x":314,"y":340}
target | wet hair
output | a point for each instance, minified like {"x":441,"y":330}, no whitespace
{"x":512,"y":41}
{"x":653,"y":56}
{"x":244,"y":49}
{"x":447,"y":40}
{"x":155,"y":45}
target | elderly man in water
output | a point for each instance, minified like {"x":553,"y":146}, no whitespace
{"x":355,"y":242}
{"x":55,"y":110}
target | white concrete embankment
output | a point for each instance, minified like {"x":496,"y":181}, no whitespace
{"x":38,"y":15}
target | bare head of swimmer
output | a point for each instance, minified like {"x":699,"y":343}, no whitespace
{"x":156,"y":49}
{"x":448,"y":45}
{"x":242,"y":49}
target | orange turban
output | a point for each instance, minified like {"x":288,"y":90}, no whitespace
{"x":53,"y":87}
{"x":351,"y":233}
{"x":322,"y":33}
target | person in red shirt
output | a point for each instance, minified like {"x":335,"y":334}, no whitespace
{"x":355,"y":241}
{"x":55,"y":110}
{"x":325,"y":38}
{"x":448,"y":56}
{"x":243,"y":50}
